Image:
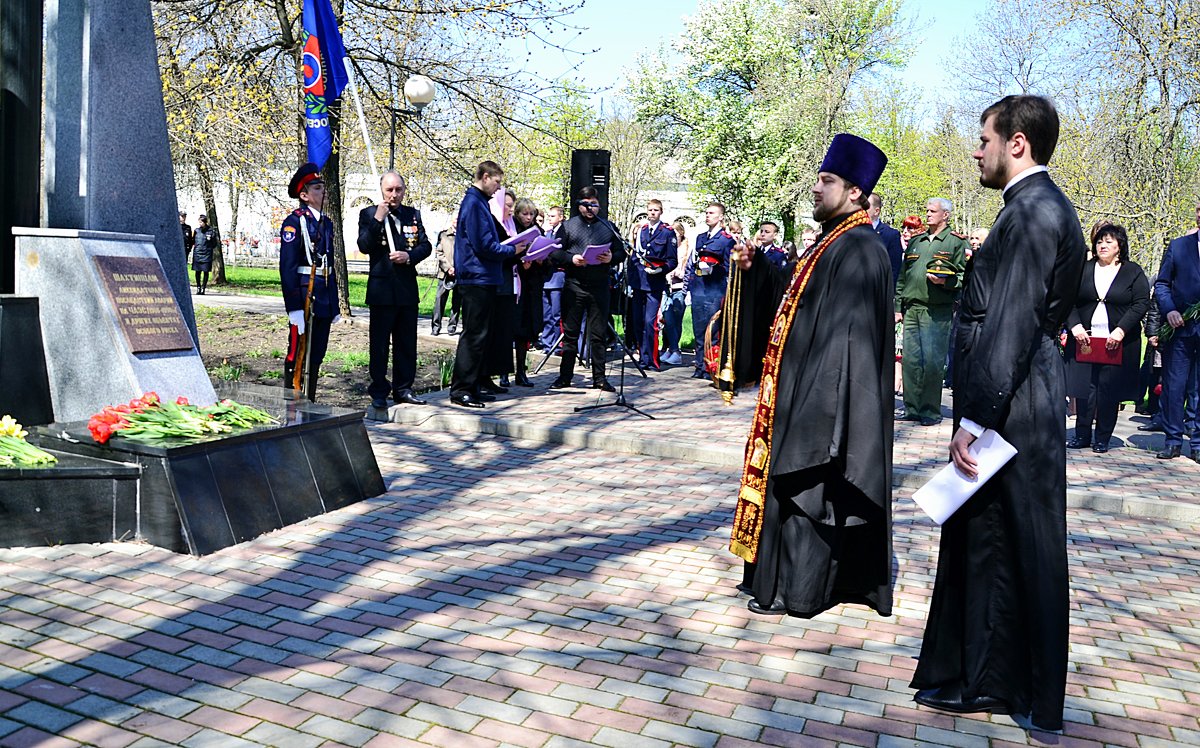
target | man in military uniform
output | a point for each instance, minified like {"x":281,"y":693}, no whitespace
{"x":394,"y":236}
{"x":443,"y":255}
{"x":654,"y":257}
{"x":767,"y":242}
{"x":925,"y":292}
{"x":306,"y":262}
{"x":705,"y":277}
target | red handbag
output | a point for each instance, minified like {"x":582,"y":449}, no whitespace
{"x":1094,"y":351}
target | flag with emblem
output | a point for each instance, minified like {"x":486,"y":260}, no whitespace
{"x":324,"y":75}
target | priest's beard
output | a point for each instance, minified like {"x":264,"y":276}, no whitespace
{"x":823,"y":211}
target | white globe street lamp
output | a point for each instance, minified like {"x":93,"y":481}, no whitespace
{"x":419,"y":91}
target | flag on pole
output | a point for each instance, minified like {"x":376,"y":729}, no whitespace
{"x":324,"y":76}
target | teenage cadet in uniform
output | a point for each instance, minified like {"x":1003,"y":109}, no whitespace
{"x":925,"y":292}
{"x":648,"y":270}
{"x":394,"y":236}
{"x":767,"y":242}
{"x":306,"y":249}
{"x":707,"y":270}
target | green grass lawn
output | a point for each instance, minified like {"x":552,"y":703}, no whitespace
{"x":265,"y":282}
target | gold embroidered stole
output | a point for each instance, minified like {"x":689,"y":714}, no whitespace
{"x":748,"y":518}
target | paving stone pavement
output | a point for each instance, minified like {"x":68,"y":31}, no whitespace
{"x":513,"y":593}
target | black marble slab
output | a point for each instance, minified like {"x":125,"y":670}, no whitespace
{"x":76,"y":500}
{"x":199,"y":497}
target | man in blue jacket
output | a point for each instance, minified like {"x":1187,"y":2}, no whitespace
{"x":655,"y":256}
{"x":705,"y":277}
{"x":478,"y":257}
{"x":889,"y":235}
{"x":1176,"y":290}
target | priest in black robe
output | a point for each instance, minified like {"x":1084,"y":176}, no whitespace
{"x":813,"y":519}
{"x":997,"y":634}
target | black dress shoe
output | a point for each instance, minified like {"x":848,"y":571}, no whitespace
{"x":379,"y":403}
{"x":754,"y":607}
{"x":465,"y":400}
{"x":503,"y":380}
{"x":603,"y":384}
{"x":930,"y":421}
{"x":697,"y":374}
{"x":1078,"y":442}
{"x":436,"y":331}
{"x":1100,"y":447}
{"x":1169,"y":453}
{"x":1152,"y":426}
{"x":408,"y":398}
{"x":560,"y":384}
{"x":452,"y":331}
{"x":522,"y":381}
{"x":950,"y":699}
{"x":492,"y":388}
{"x":484,"y":397}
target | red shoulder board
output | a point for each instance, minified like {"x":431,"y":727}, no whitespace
{"x":298,"y":212}
{"x":726,"y":234}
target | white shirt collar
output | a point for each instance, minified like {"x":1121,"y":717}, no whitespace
{"x":316,"y":213}
{"x":715,"y":230}
{"x":1027,"y":173}
{"x":875,"y":224}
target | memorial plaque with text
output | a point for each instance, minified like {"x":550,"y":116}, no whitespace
{"x":144,"y":304}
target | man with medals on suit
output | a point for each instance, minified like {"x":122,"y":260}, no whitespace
{"x":813,"y":519}
{"x":997,"y":631}
{"x":393,"y":235}
{"x":1176,"y":290}
{"x":707,"y":269}
{"x":654,"y":256}
{"x":310,"y":293}
{"x":889,"y":235}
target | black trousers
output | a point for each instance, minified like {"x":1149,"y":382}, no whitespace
{"x":394,"y":328}
{"x":576,"y":300}
{"x":318,"y":343}
{"x":477,"y":305}
{"x":439,"y":306}
{"x":1100,"y":407}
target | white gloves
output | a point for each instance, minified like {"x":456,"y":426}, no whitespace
{"x":297,"y":319}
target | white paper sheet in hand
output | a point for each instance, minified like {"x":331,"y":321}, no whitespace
{"x":950,"y":489}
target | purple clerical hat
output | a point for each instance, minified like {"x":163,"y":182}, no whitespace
{"x":856,"y":160}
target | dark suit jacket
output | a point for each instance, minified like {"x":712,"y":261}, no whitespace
{"x":891,"y":242}
{"x":389,"y":284}
{"x":1178,"y":284}
{"x":1126,"y":303}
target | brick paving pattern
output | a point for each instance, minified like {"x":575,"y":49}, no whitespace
{"x":506,"y":593}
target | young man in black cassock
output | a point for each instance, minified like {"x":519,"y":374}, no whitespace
{"x":813,"y":517}
{"x":997,"y":634}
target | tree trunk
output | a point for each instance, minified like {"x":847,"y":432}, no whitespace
{"x":235,"y":197}
{"x":210,"y":208}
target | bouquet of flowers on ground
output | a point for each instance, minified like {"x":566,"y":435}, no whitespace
{"x":14,"y":450}
{"x":149,"y":418}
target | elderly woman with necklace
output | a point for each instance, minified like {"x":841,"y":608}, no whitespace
{"x":1114,"y":296}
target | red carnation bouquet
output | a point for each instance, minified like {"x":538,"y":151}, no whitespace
{"x":149,"y":418}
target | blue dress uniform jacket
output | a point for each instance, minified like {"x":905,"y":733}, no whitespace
{"x":711,"y":250}
{"x":774,"y":254}
{"x":388,"y":283}
{"x":658,"y":243}
{"x":293,"y":257}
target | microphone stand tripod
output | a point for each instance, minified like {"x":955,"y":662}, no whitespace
{"x":622,"y":290}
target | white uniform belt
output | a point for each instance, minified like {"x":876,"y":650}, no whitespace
{"x":322,"y":272}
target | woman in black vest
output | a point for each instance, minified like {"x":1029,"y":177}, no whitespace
{"x":1114,"y":296}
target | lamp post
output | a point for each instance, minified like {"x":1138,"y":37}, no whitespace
{"x":418,"y":92}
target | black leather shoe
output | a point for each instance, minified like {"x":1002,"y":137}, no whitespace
{"x":452,"y":331}
{"x":930,"y":421}
{"x":697,"y":374}
{"x":484,"y":397}
{"x":1150,"y":427}
{"x":379,"y":403}
{"x":754,"y":607}
{"x":465,"y":400}
{"x":560,"y":384}
{"x":950,"y":699}
{"x":522,"y":381}
{"x":408,"y":398}
{"x":1169,"y":453}
{"x":1100,"y":447}
{"x":492,"y":388}
{"x":436,"y":331}
{"x":1078,"y":442}
{"x":602,"y":384}
{"x":503,"y":380}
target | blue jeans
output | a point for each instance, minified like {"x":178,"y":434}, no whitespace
{"x":672,"y":315}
